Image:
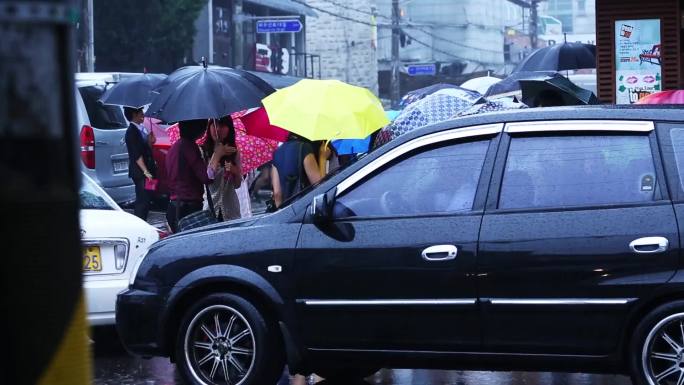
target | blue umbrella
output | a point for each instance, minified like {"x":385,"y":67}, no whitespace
{"x":351,"y":146}
{"x":392,"y":114}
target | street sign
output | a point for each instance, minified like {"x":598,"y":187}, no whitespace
{"x":278,"y":26}
{"x":421,"y":69}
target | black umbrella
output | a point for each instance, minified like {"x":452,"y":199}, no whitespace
{"x":205,"y":92}
{"x":511,"y":84}
{"x":135,"y":91}
{"x":560,"y":57}
{"x":557,"y":90}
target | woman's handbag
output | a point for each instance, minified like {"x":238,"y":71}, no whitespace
{"x":151,"y":184}
{"x":199,"y":218}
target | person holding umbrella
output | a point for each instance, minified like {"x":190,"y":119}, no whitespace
{"x":141,"y":166}
{"x":188,"y":173}
{"x":223,"y":189}
{"x":294,"y":168}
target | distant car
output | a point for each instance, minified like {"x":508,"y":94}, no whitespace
{"x":113,"y":241}
{"x":101,"y":130}
{"x":537,"y":239}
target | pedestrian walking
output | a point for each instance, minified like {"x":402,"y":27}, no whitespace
{"x":188,"y":172}
{"x":141,"y":166}
{"x":294,"y":168}
{"x":224,"y":187}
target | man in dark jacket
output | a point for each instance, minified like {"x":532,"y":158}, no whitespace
{"x":141,"y":164}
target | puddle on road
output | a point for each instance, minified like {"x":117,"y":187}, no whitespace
{"x":113,"y":366}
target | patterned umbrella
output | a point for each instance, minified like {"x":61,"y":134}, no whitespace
{"x":254,"y":151}
{"x":490,"y":106}
{"x":434,"y":108}
{"x":416,"y":95}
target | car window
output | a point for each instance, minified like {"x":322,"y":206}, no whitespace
{"x":101,"y":116}
{"x":677,"y":136}
{"x":92,"y":197}
{"x":437,"y":180}
{"x":577,"y":170}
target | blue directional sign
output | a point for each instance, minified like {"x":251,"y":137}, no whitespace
{"x":278,"y":26}
{"x":421,"y":69}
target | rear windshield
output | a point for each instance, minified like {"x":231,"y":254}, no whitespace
{"x":92,"y":197}
{"x":101,"y":116}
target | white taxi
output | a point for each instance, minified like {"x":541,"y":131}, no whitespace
{"x":112,"y":242}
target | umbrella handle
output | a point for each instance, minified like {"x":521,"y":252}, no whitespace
{"x":322,"y":159}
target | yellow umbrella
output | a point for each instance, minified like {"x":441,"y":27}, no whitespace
{"x":325,"y":110}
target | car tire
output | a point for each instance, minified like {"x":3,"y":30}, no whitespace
{"x":337,"y":374}
{"x":241,"y":345}
{"x":105,"y":336}
{"x":650,"y":354}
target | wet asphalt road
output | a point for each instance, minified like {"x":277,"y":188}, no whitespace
{"x":113,"y":366}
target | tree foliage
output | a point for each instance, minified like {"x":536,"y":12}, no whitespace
{"x":138,"y":35}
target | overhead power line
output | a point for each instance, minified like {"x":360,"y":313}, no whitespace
{"x":356,"y":10}
{"x":322,"y":10}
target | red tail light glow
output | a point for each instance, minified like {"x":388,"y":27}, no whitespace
{"x":88,"y":147}
{"x":162,"y":234}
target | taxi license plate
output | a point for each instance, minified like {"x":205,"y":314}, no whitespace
{"x":92,"y":259}
{"x":120,"y":165}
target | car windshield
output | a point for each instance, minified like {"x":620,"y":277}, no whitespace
{"x":92,"y":197}
{"x":101,"y":116}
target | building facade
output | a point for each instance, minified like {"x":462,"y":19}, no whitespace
{"x":228,"y":34}
{"x":462,"y":37}
{"x":568,"y":20}
{"x":343,"y":35}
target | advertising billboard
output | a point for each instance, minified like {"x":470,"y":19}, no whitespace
{"x":637,"y":59}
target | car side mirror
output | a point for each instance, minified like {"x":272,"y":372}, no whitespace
{"x":322,"y":207}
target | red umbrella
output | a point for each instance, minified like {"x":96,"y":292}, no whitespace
{"x":257,"y":124}
{"x":254,"y":151}
{"x":664,"y":97}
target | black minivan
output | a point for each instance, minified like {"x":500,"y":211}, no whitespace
{"x":540,"y":239}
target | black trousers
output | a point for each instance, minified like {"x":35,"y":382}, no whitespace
{"x":177,"y":210}
{"x":142,"y":199}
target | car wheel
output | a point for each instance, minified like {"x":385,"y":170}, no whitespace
{"x":345,"y":374}
{"x":224,"y":339}
{"x":657,"y":348}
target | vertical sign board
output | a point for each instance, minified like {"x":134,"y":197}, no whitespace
{"x":638,"y":72}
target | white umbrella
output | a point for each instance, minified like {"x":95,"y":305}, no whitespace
{"x":480,"y":84}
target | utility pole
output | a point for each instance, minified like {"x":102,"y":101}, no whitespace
{"x":394,"y":85}
{"x":238,"y":36}
{"x":534,"y":24}
{"x":89,"y":38}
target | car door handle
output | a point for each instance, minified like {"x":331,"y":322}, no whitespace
{"x":649,"y":245}
{"x":440,"y":253}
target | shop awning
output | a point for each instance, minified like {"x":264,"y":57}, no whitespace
{"x":287,"y":6}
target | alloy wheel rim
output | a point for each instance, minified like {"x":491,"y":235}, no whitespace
{"x":663,"y":352}
{"x":219,"y":346}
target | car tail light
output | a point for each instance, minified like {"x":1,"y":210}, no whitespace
{"x":162,"y":234}
{"x":88,"y":147}
{"x":120,"y":253}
